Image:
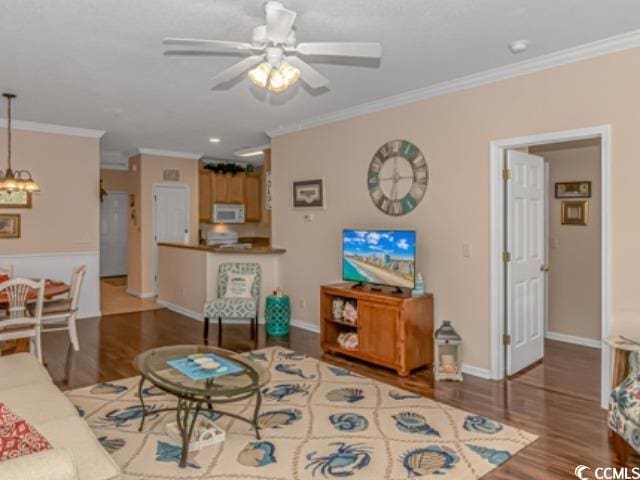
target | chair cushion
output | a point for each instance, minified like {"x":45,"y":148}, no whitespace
{"x":18,"y":437}
{"x":239,"y":285}
{"x":231,"y":308}
{"x":21,"y":369}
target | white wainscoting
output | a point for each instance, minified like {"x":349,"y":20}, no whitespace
{"x":58,"y":266}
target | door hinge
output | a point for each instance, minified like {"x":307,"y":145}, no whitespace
{"x":506,"y":257}
{"x":506,"y":174}
{"x":506,"y":339}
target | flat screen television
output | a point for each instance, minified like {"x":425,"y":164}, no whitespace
{"x":382,"y":257}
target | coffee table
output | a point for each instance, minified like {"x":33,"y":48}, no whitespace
{"x":195,"y":397}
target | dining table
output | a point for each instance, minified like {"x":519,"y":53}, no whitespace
{"x":52,"y":288}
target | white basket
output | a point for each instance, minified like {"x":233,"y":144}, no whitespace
{"x":205,"y":433}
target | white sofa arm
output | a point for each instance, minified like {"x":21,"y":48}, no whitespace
{"x":57,"y":464}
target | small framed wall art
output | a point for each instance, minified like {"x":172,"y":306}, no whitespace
{"x":574,"y":212}
{"x":15,"y":199}
{"x":9,"y":225}
{"x":573,"y":189}
{"x":309,"y":194}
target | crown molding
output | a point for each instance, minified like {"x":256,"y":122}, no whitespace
{"x":562,"y":57}
{"x":167,"y":153}
{"x":51,"y":128}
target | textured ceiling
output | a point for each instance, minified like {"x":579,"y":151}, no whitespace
{"x":99,"y":63}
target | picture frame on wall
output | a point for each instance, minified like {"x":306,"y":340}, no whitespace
{"x":15,"y":199}
{"x":574,"y":212}
{"x":9,"y":225}
{"x":309,"y":194}
{"x":580,"y":189}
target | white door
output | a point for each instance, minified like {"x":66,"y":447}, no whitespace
{"x":525,"y":246}
{"x":113,"y":234}
{"x":170,"y":219}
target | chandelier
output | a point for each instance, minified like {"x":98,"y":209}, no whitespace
{"x":19,"y":180}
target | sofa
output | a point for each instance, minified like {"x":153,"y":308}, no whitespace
{"x":28,"y":391}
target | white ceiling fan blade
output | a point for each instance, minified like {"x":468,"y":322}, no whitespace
{"x":197,"y":42}
{"x":279,"y":22}
{"x":236,"y":69}
{"x":310,"y":75}
{"x":340,"y":49}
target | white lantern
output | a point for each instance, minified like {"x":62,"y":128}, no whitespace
{"x":448,"y":365}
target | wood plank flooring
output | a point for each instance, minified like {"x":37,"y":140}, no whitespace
{"x":572,"y":429}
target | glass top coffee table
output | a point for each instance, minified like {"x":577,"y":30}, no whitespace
{"x":198,"y":396}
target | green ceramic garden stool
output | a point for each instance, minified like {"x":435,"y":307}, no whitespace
{"x":278,"y":315}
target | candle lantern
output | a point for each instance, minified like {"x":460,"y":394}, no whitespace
{"x":448,"y":347}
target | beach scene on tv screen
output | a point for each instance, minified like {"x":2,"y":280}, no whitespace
{"x":379,"y":256}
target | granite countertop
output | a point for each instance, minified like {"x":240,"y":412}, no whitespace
{"x":256,"y":250}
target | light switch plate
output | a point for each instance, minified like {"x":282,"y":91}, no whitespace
{"x":467,"y":250}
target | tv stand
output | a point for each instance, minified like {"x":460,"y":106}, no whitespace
{"x":372,"y":287}
{"x":394,"y":331}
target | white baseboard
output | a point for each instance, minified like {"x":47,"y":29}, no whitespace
{"x":563,"y":337}
{"x":197,"y":315}
{"x":310,"y":327}
{"x":476,"y":371}
{"x":58,"y":266}
{"x":135,"y":293}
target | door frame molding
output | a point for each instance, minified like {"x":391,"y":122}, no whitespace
{"x":154,"y":246}
{"x":496,"y":185}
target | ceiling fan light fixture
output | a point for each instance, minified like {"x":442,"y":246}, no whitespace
{"x":290,"y":73}
{"x":260,"y":75}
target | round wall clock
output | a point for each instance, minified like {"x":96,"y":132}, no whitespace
{"x":398,"y":177}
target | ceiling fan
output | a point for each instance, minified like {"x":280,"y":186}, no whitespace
{"x":274,"y":56}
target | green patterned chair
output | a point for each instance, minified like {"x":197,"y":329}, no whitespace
{"x":624,"y":412}
{"x":234,"y":308}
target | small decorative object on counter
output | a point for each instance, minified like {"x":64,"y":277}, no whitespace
{"x":448,"y":345}
{"x":337,"y":308}
{"x":348,"y":341}
{"x":419,"y":286}
{"x":278,"y":314}
{"x":350,"y":312}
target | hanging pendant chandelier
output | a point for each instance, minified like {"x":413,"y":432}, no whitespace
{"x":20,"y":180}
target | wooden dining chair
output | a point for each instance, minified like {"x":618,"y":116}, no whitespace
{"x":19,"y":322}
{"x":60,"y":314}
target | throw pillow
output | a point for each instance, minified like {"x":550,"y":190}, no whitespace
{"x":239,"y":285}
{"x":17,"y":437}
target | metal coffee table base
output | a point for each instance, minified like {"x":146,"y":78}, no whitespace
{"x":189,"y":407}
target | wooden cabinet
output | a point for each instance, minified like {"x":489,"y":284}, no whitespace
{"x":253,"y":197}
{"x":219,"y":188}
{"x":204,"y":196}
{"x":394,"y":330}
{"x":236,"y":188}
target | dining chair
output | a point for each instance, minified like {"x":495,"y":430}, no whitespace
{"x":18,"y":322}
{"x":6,"y":270}
{"x":229,"y":307}
{"x":60,"y":314}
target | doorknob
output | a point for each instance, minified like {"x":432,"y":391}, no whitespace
{"x":544,"y":267}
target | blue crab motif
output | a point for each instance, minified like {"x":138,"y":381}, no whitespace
{"x":279,"y":418}
{"x":107,"y":388}
{"x":343,"y":372}
{"x":80,"y":410}
{"x":257,"y":454}
{"x":343,"y":462}
{"x":257,"y":356}
{"x":111,"y":444}
{"x":412,"y":422}
{"x":289,"y":369}
{"x":426,"y":461}
{"x":478,"y":423}
{"x":349,"y":422}
{"x":402,"y":395}
{"x":495,"y":457}
{"x":289,"y":356}
{"x":165,"y":452}
{"x":280,"y":392}
{"x":347,"y":394}
{"x":119,"y":418}
{"x":152,"y":391}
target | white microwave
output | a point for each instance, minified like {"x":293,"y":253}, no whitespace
{"x":227,"y":213}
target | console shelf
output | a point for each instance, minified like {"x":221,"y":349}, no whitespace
{"x":394,"y":330}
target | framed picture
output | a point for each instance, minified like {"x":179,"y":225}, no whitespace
{"x":573,"y":190}
{"x":308,"y":194}
{"x":9,"y":225}
{"x":574,"y":212}
{"x":15,"y":199}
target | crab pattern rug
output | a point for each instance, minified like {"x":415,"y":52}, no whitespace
{"x":318,"y":421}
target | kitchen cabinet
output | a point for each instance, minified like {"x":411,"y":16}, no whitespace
{"x":244,"y":188}
{"x":236,"y":188}
{"x":253,"y":197}
{"x":204,"y":196}
{"x":219,"y":187}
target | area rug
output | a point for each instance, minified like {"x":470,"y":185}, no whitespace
{"x":318,"y":421}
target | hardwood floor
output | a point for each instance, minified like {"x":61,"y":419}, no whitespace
{"x":572,"y":430}
{"x":114,"y":298}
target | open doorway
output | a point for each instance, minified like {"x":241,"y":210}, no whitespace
{"x":551,"y":261}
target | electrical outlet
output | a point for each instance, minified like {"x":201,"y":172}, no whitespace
{"x":308,"y":217}
{"x":467,"y":250}
{"x":302,"y":303}
{"x":183,"y":291}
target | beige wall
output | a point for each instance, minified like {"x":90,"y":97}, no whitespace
{"x":65,"y":214}
{"x":454,"y":132}
{"x":149,"y":170}
{"x":115,"y":180}
{"x":574,"y":251}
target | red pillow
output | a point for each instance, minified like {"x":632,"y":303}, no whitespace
{"x":17,"y":437}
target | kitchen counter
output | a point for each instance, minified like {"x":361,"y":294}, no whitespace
{"x":255,"y":250}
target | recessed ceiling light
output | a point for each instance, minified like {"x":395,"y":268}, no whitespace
{"x":214,"y":140}
{"x":518,"y":46}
